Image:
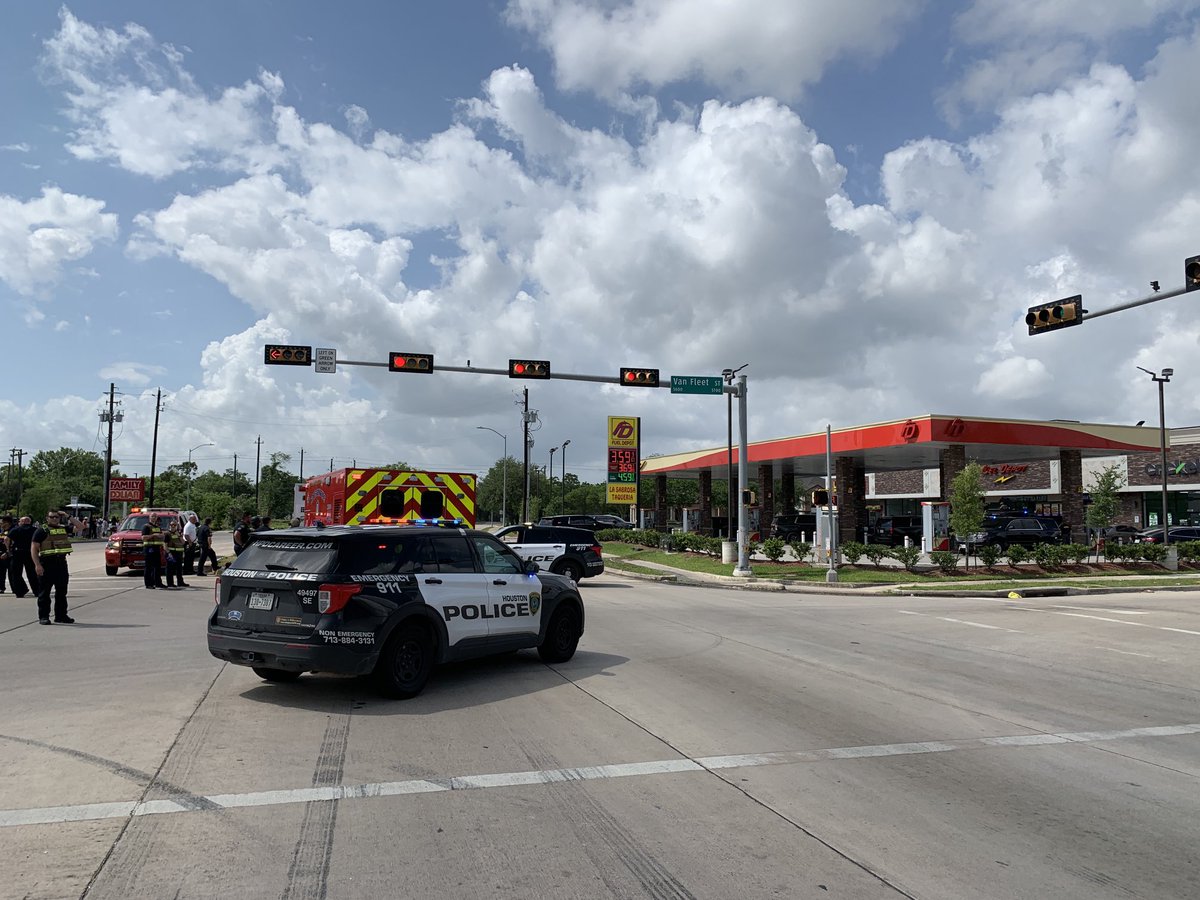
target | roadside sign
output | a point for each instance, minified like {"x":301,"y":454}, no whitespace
{"x":696,"y":384}
{"x":326,"y":358}
{"x":127,"y":489}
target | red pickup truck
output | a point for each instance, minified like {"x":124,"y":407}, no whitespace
{"x":124,"y":548}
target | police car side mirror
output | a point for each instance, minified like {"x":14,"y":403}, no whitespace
{"x":531,"y":567}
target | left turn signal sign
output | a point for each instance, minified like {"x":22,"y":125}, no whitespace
{"x":287,"y":355}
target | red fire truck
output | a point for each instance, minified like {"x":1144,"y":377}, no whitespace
{"x":387,"y":496}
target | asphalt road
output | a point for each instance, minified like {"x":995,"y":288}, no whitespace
{"x":703,"y":743}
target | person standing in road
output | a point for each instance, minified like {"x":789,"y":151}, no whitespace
{"x":6,"y":523}
{"x":153,"y":543}
{"x":20,"y":539}
{"x":241,"y":534}
{"x":204,"y":540}
{"x":174,"y":543}
{"x":190,"y":547}
{"x":50,"y":548}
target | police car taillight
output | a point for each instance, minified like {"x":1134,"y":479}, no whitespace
{"x":217,"y":589}
{"x":597,"y":549}
{"x":333,"y":598}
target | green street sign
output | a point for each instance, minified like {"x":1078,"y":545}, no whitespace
{"x":696,"y":384}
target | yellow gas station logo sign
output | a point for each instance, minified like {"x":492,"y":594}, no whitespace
{"x":622,"y":431}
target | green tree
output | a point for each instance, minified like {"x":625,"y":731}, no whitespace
{"x":276,"y":487}
{"x":966,"y":502}
{"x":500,"y":488}
{"x":1104,"y":490}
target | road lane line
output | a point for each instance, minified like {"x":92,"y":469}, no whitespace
{"x":47,"y":815}
{"x":1112,"y":612}
{"x":1125,"y":652}
{"x":909,"y":612}
{"x":1051,"y":612}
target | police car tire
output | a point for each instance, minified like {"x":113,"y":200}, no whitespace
{"x":572,"y":570}
{"x":281,"y":676}
{"x":110,"y":570}
{"x":406,"y":661}
{"x":562,"y":635}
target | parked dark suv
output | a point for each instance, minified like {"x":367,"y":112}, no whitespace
{"x":794,"y":526}
{"x":598,"y":522}
{"x":388,"y":601}
{"x":1025,"y":531}
{"x":890,"y":531}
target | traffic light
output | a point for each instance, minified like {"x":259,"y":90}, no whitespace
{"x":1191,"y":274}
{"x":529,"y":368}
{"x":639,"y":377}
{"x":287,"y":355}
{"x":411,"y":362}
{"x":1059,"y":314}
{"x":819,"y":497}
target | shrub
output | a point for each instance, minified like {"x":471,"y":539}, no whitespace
{"x":945,"y":560}
{"x":908,"y":556}
{"x":989,"y":555}
{"x":1017,"y":554}
{"x":1076,"y":553}
{"x":1044,"y":555}
{"x":1116,"y":552}
{"x":801,"y":550}
{"x":876,"y":553}
{"x":852,"y":551}
{"x":773,"y":548}
{"x":1189,"y":551}
{"x":1154,"y":553}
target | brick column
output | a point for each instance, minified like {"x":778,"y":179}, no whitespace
{"x":766,"y":500}
{"x":953,"y":461}
{"x":1070,"y":465}
{"x":705,"y":526}
{"x":660,"y":500}
{"x":851,"y":498}
{"x":787,"y":493}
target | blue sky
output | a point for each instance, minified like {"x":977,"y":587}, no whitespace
{"x":859,"y":198}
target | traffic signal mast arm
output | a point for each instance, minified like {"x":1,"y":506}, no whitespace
{"x":1163,"y":295}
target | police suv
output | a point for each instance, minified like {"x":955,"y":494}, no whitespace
{"x":386,"y":600}
{"x":573,"y":552}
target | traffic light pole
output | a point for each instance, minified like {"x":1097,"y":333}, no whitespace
{"x":1153,"y":298}
{"x":743,"y":566}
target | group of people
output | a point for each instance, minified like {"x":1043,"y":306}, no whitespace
{"x":176,"y":550}
{"x":34,"y":558}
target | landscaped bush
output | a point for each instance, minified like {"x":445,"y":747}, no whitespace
{"x":773,"y":548}
{"x":1044,"y":555}
{"x":1189,"y":551}
{"x":989,"y":555}
{"x":876,"y":553}
{"x":852,"y":551}
{"x":1154,"y":553}
{"x":1017,"y":554}
{"x":945,"y":560}
{"x":1116,"y":552}
{"x":1076,"y":553}
{"x":801,"y":550}
{"x":908,"y":556}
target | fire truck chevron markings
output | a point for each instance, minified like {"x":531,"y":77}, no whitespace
{"x":11,"y":818}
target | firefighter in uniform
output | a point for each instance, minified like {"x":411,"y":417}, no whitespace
{"x":153,"y":542}
{"x":174,"y":541}
{"x":6,"y":523}
{"x":50,"y":549}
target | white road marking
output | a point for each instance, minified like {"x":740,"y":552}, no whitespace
{"x":1125,"y":652}
{"x":1111,"y":612}
{"x":1105,"y":619}
{"x":47,"y":815}
{"x":908,"y":612}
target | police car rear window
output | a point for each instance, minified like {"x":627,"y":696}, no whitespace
{"x":308,"y":557}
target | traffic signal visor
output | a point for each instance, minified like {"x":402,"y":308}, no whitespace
{"x":639,"y":377}
{"x":1191,"y":274}
{"x":1059,"y":314}
{"x":529,"y":368}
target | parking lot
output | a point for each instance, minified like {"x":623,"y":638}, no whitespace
{"x":703,"y":742}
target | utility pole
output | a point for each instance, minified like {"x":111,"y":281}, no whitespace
{"x":525,"y":444}
{"x":233,"y":490}
{"x":257,"y":468}
{"x":18,"y":455}
{"x":108,"y":417}
{"x":154,"y":445}
{"x":301,"y":464}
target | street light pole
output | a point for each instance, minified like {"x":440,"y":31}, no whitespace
{"x":550,"y":479}
{"x":1162,"y":442}
{"x":564,"y":478}
{"x":504,"y":488}
{"x":188,"y":502}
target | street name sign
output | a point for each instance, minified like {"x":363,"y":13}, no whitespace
{"x":696,"y":384}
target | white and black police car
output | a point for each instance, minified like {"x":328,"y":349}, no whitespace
{"x":386,"y":600}
{"x":573,"y":552}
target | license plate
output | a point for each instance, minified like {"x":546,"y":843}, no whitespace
{"x":262,"y":601}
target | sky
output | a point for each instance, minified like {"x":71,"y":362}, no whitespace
{"x":857,"y":198}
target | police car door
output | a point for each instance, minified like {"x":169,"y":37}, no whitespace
{"x":516,"y":595}
{"x":452,"y":585}
{"x":536,"y":544}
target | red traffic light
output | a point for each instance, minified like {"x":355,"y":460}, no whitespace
{"x":287,"y":355}
{"x":639,"y":377}
{"x":529,"y":368}
{"x":411,"y":362}
{"x":1191,"y":274}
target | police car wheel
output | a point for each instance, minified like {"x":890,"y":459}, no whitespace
{"x":406,"y":662}
{"x":562,"y":636}
{"x":277,"y":675}
{"x":572,"y":570}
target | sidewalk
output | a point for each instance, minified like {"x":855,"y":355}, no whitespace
{"x":1051,"y":586}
